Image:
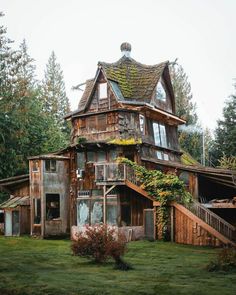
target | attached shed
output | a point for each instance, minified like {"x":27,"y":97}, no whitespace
{"x":17,"y":216}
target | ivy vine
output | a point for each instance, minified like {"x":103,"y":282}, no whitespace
{"x":163,"y":188}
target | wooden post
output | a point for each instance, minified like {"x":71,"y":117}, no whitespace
{"x":172,"y":223}
{"x":104,"y":205}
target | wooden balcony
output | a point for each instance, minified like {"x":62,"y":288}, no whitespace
{"x":113,"y":173}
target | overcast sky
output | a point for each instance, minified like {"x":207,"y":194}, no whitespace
{"x":200,"y":33}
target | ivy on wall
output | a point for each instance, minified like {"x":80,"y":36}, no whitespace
{"x":163,"y":188}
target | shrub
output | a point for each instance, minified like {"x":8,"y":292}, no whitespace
{"x":226,"y":260}
{"x":99,"y":243}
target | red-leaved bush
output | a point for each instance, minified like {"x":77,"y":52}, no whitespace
{"x":99,"y":243}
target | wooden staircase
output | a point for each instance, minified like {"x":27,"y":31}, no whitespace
{"x":195,"y":214}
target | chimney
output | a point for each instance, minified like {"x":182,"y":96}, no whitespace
{"x":125,"y":49}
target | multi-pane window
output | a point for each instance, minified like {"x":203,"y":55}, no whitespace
{"x":162,"y":156}
{"x":50,"y":165}
{"x":90,"y":209}
{"x":102,"y":90}
{"x":159,"y":132}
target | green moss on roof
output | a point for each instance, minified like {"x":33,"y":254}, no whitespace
{"x":187,"y":159}
{"x":136,"y":81}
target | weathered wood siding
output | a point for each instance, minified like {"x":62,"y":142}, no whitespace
{"x":21,"y":191}
{"x":57,"y":183}
{"x":186,"y":231}
{"x":97,"y":104}
{"x":24,"y":220}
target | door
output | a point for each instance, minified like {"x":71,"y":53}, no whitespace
{"x":15,"y":223}
{"x":8,"y":223}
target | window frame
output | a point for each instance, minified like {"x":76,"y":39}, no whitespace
{"x":160,"y":137}
{"x":50,"y":169}
{"x":102,"y":90}
{"x":49,"y":195}
{"x":160,"y":88}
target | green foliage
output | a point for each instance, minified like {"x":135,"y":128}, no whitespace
{"x":99,"y":243}
{"x":162,"y":187}
{"x":225,"y":133}
{"x":225,"y":260}
{"x":190,"y":138}
{"x":25,"y":129}
{"x":228,"y":162}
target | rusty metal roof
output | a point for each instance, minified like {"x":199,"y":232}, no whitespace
{"x":14,"y":202}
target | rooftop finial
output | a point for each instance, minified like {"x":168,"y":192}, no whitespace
{"x":125,"y":49}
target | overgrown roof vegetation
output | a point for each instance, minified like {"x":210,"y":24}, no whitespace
{"x":136,"y":81}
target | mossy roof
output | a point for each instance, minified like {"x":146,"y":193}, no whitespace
{"x":136,"y":81}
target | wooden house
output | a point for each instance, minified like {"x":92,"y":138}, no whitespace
{"x":16,"y":210}
{"x":49,"y":191}
{"x":127,"y":110}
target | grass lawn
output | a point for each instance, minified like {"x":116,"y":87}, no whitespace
{"x":30,"y":266}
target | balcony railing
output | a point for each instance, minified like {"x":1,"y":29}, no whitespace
{"x":114,"y":172}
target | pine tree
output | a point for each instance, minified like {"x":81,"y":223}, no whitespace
{"x":225,"y":133}
{"x":190,"y":136}
{"x":54,"y":96}
{"x":25,"y":129}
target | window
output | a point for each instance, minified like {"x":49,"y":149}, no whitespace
{"x":37,"y":211}
{"x":52,"y":206}
{"x":162,"y":156}
{"x":35,"y":166}
{"x":80,"y":160}
{"x":91,"y":156}
{"x":166,"y":156}
{"x":50,"y":165}
{"x":101,"y":156}
{"x":160,"y":91}
{"x":90,"y":209}
{"x":159,"y":132}
{"x":102,"y":90}
{"x":83,"y":212}
{"x":142,"y":124}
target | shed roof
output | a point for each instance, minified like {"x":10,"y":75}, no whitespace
{"x":14,"y":202}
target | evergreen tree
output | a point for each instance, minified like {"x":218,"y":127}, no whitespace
{"x":225,"y":133}
{"x":54,"y":96}
{"x":190,"y":136}
{"x":25,"y":129}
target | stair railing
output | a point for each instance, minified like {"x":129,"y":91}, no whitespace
{"x":212,"y":219}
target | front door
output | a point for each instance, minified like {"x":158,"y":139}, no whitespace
{"x":8,"y":223}
{"x":15,"y":223}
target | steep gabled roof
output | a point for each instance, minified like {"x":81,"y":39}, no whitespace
{"x":86,"y":94}
{"x":135,"y":80}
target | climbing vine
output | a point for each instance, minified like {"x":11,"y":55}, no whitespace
{"x":162,"y":187}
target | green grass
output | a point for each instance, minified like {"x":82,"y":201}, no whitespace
{"x":30,"y":266}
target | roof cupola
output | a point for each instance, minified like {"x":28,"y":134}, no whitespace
{"x":125,"y":49}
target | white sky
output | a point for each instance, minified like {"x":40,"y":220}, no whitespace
{"x":201,"y":33}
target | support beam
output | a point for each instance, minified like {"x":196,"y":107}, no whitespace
{"x":104,"y":205}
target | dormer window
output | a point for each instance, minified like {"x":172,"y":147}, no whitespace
{"x":160,"y":91}
{"x":102,"y":90}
